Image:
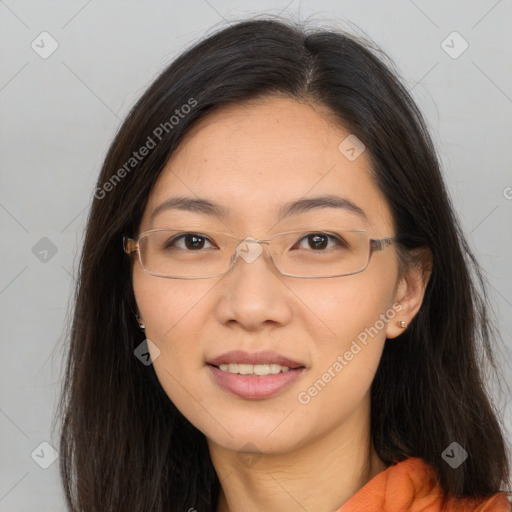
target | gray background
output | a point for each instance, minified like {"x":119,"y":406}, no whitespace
{"x":58,"y":115}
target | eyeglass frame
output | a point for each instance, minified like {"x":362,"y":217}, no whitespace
{"x":131,"y":245}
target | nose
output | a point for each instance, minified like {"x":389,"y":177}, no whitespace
{"x":252,"y":291}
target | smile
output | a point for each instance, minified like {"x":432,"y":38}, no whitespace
{"x":254,"y":376}
{"x":257,"y":370}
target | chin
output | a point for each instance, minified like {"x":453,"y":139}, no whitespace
{"x":249,"y":441}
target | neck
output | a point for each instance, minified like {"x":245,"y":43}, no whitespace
{"x":320,"y":476}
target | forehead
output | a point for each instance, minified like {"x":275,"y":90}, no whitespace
{"x":254,"y":157}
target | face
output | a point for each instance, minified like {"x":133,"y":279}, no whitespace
{"x":252,"y":159}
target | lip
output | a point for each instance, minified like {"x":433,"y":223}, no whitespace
{"x":252,"y":387}
{"x":239,"y":356}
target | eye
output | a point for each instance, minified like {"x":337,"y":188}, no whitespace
{"x":319,"y":241}
{"x":192,"y":242}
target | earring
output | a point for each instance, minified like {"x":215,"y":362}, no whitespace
{"x":139,"y":321}
{"x":402,"y":324}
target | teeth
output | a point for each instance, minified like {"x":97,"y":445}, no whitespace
{"x":245,"y":369}
{"x":254,"y":369}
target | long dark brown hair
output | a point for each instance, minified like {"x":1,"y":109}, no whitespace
{"x":124,"y":446}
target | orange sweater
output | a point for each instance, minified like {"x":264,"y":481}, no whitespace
{"x":411,"y":486}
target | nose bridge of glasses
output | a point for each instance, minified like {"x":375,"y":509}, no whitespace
{"x":249,"y":249}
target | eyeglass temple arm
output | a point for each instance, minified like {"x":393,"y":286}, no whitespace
{"x":380,"y":245}
{"x":129,"y":245}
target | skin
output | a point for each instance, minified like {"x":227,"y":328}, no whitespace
{"x":252,"y":158}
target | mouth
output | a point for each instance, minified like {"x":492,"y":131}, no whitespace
{"x":254,"y":376}
{"x":256,"y":370}
{"x":259,"y":364}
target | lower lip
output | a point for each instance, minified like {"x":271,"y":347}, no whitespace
{"x":255,"y":387}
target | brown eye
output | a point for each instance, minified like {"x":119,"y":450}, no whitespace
{"x":192,"y":241}
{"x":317,"y":241}
{"x":320,"y":241}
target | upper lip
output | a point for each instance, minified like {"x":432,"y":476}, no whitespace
{"x":264,"y":357}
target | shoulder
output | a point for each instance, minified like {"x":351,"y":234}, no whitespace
{"x":500,"y":502}
{"x":411,"y":486}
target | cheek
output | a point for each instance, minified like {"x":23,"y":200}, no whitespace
{"x":348,"y":355}
{"x":168,"y":308}
{"x":171,"y":310}
{"x":337,"y":311}
{"x":165,"y":304}
{"x":354,"y":312}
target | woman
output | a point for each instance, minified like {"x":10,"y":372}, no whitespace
{"x":275,"y":309}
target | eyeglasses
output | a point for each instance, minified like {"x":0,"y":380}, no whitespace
{"x":189,"y":254}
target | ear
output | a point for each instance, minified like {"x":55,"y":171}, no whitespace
{"x":410,"y":289}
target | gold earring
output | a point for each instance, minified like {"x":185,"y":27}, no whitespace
{"x":402,"y":324}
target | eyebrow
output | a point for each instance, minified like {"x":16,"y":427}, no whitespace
{"x":206,"y":207}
